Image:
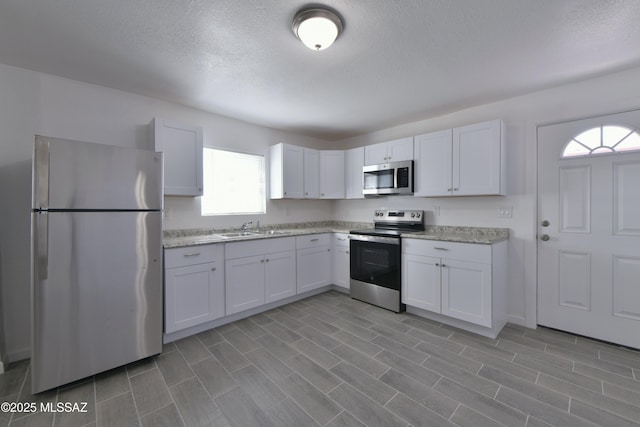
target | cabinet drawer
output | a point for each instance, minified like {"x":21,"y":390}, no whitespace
{"x":193,"y":255}
{"x":340,"y":239}
{"x":249,"y":248}
{"x":474,"y":252}
{"x":313,"y":240}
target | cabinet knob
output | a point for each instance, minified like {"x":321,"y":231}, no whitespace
{"x":306,"y":194}
{"x":544,"y":237}
{"x":322,"y":194}
{"x":267,"y":259}
{"x":437,"y":265}
{"x":329,"y":250}
{"x":444,"y":265}
{"x":448,"y":189}
{"x":213,"y":269}
{"x":347,"y":251}
{"x":262,"y":260}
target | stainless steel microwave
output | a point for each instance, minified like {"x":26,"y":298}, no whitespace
{"x":388,"y":178}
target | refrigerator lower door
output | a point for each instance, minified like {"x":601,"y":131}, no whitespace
{"x":96,"y":293}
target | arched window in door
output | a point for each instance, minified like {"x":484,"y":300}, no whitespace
{"x":605,"y":139}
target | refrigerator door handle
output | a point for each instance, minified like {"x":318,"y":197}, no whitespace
{"x":42,"y":245}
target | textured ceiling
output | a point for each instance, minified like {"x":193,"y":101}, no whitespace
{"x":397,"y":61}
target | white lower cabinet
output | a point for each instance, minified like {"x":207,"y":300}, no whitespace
{"x":464,"y":281}
{"x":259,"y":272}
{"x":313,"y":261}
{"x":341,"y":260}
{"x":194,"y":286}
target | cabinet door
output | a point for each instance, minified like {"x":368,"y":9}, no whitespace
{"x":182,"y":148}
{"x":421,"y":282}
{"x":313,"y":268}
{"x":292,"y":175}
{"x":311,"y":173}
{"x":341,"y":275}
{"x":400,"y":149}
{"x":433,"y":161}
{"x":244,"y":283}
{"x":466,"y":291}
{"x":477,"y":159}
{"x":375,"y":154}
{"x":332,"y":174}
{"x":193,"y":295}
{"x":279,"y":276}
{"x":354,"y":161}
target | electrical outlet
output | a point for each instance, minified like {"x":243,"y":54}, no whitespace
{"x":505,"y":212}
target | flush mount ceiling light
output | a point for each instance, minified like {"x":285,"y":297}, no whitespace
{"x":317,"y":28}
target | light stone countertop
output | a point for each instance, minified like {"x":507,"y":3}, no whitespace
{"x":195,"y":237}
{"x":461,"y":234}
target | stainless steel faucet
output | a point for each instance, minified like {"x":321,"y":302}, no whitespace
{"x":244,"y":226}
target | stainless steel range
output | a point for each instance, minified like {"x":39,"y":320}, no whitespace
{"x":375,"y":257}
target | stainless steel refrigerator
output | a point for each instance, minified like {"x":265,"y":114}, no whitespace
{"x":96,"y":259}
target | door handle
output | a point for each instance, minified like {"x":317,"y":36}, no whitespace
{"x":544,"y":237}
{"x":544,"y":223}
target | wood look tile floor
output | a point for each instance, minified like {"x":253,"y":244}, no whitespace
{"x":332,"y":361}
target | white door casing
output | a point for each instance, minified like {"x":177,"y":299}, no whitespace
{"x":589,"y":268}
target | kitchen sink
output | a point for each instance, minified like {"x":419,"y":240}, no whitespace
{"x":249,"y":233}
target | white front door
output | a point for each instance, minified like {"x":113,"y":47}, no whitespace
{"x":589,"y":227}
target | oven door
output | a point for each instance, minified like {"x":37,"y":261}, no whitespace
{"x":375,"y":260}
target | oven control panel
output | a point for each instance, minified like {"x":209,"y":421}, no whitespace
{"x":398,"y":216}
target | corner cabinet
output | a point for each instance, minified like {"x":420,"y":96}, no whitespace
{"x":457,"y":282}
{"x":182,"y":147}
{"x":463,"y":161}
{"x":194,"y":286}
{"x":332,"y":174}
{"x":397,"y":150}
{"x":353,"y":163}
{"x":259,"y":272}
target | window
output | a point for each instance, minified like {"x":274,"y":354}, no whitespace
{"x":606,"y":139}
{"x":234,"y":183}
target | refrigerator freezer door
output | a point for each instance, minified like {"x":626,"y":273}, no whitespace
{"x":96,"y":293}
{"x":72,"y":175}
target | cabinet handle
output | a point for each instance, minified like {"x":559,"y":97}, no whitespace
{"x":314,"y":240}
{"x":329,"y":250}
{"x":440,"y":248}
{"x":346,"y":251}
{"x":262,"y":260}
{"x":306,"y":194}
{"x":444,"y":265}
{"x":448,"y":189}
{"x":322,"y":194}
{"x":342,"y":238}
{"x":267,"y":260}
{"x":192,"y":254}
{"x":213,"y":269}
{"x":437,"y":265}
{"x":455,"y":189}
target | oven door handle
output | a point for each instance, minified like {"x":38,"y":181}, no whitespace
{"x":375,"y":239}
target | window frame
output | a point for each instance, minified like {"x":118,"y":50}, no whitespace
{"x":264,"y":182}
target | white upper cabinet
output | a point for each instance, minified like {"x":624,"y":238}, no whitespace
{"x":463,"y":161}
{"x":332,"y":174}
{"x":286,"y":172}
{"x":433,"y":163}
{"x":392,"y":151}
{"x":478,"y":153}
{"x":353,"y":163}
{"x":311,"y":173}
{"x":182,"y":148}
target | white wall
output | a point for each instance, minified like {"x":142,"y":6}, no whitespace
{"x":603,"y":95}
{"x":34,"y":103}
